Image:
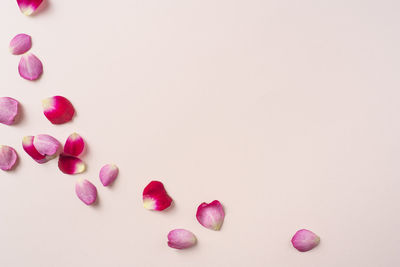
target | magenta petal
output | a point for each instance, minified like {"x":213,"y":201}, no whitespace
{"x":86,"y":191}
{"x":70,"y":165}
{"x":46,"y":145}
{"x":27,"y":7}
{"x":181,"y":239}
{"x":8,"y":158}
{"x":74,"y":145}
{"x":27,"y":144}
{"x":20,"y":44}
{"x":155,"y":197}
{"x":211,"y":215}
{"x":108,"y":174}
{"x":30,"y":67}
{"x":9,"y":109}
{"x":305,"y":240}
{"x":58,"y":109}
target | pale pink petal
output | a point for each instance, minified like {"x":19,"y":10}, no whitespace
{"x":86,"y":191}
{"x":27,"y":7}
{"x":30,"y":67}
{"x":27,"y":144}
{"x":71,"y":165}
{"x":155,"y":197}
{"x":74,"y":145}
{"x":8,"y":158}
{"x":46,"y":145}
{"x":211,"y":215}
{"x":181,"y":239}
{"x":9,"y":109}
{"x":58,"y":109}
{"x":108,"y":174}
{"x":20,"y":44}
{"x":305,"y":240}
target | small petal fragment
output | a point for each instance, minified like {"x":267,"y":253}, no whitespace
{"x":20,"y":44}
{"x":27,"y":7}
{"x":108,"y":174}
{"x":86,"y":191}
{"x":74,"y":145}
{"x":9,"y":109}
{"x":8,"y":158}
{"x":30,"y":67}
{"x":305,"y":240}
{"x":58,"y":109}
{"x":27,"y":144}
{"x":211,"y":215}
{"x":155,"y":197}
{"x":71,"y":165}
{"x":46,"y":145}
{"x":181,"y":239}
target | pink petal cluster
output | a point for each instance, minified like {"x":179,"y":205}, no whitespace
{"x":305,"y":240}
{"x":20,"y":44}
{"x":58,"y":109}
{"x":8,"y":158}
{"x":211,"y":215}
{"x":30,"y":67}
{"x":155,"y":197}
{"x":28,"y":7}
{"x":86,"y":191}
{"x":9,"y":110}
{"x":108,"y":174}
{"x":181,"y":239}
{"x":41,"y":148}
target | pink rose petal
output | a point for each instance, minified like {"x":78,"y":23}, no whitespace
{"x":27,"y":7}
{"x":108,"y":174}
{"x":86,"y":191}
{"x":30,"y":67}
{"x":9,"y":109}
{"x":8,"y":158}
{"x":211,"y":215}
{"x":305,"y":240}
{"x":46,"y":145}
{"x":58,"y":109}
{"x":20,"y":44}
{"x":155,"y":197}
{"x":181,"y":239}
{"x":70,"y":165}
{"x":27,"y":144}
{"x":74,"y":145}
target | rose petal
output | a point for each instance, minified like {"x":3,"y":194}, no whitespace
{"x":211,"y":215}
{"x":305,"y":240}
{"x":181,"y":239}
{"x":108,"y":174}
{"x":58,"y":109}
{"x":9,"y":109}
{"x":27,"y":144}
{"x":74,"y":145}
{"x":86,"y":191}
{"x":30,"y":67}
{"x":70,"y":165}
{"x":155,"y":197}
{"x":46,"y":145}
{"x":27,"y":7}
{"x":20,"y":44}
{"x":8,"y":158}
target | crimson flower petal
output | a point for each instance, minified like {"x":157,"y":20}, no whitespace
{"x":86,"y":191}
{"x":305,"y":240}
{"x":27,"y":7}
{"x":155,"y":197}
{"x":20,"y":44}
{"x":30,"y":67}
{"x":108,"y":174}
{"x":181,"y":239}
{"x":8,"y":158}
{"x":211,"y":215}
{"x":9,"y":109}
{"x":70,"y":164}
{"x":27,"y":144}
{"x":58,"y":109}
{"x":74,"y":145}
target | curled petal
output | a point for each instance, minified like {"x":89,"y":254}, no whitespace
{"x":305,"y":240}
{"x":27,"y":7}
{"x":58,"y":109}
{"x":27,"y":144}
{"x":211,"y":215}
{"x":86,"y":191}
{"x":108,"y":174}
{"x":9,"y":109}
{"x":181,"y":239}
{"x":8,"y":158}
{"x":74,"y":145}
{"x":155,"y":197}
{"x":46,"y":145}
{"x":30,"y":67}
{"x":70,"y":165}
{"x":20,"y":44}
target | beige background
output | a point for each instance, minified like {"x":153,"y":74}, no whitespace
{"x":285,"y":111}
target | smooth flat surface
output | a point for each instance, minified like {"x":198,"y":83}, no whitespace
{"x":285,"y":111}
